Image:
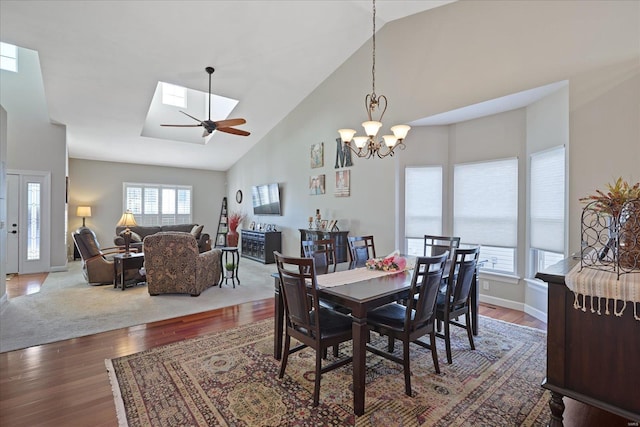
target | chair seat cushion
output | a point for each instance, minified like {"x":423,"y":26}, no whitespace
{"x":390,"y":314}
{"x":332,"y":322}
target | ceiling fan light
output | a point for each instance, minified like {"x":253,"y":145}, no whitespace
{"x":400,"y":131}
{"x":346,"y":134}
{"x":360,"y":141}
{"x":371,"y":128}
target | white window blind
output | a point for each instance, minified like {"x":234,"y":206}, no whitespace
{"x":485,"y":203}
{"x":154,"y":204}
{"x":547,"y":204}
{"x":423,"y":201}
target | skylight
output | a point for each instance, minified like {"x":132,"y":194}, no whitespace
{"x":8,"y":57}
{"x":174,"y":95}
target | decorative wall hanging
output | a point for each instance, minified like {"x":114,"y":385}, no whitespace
{"x":316,"y":185}
{"x":342,"y":183}
{"x":343,"y":155}
{"x":317,"y":155}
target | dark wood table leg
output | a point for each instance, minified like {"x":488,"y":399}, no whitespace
{"x":360,"y":335}
{"x":557,"y":409}
{"x":475,"y":302}
{"x":278,"y":322}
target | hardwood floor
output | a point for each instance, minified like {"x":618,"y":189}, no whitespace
{"x":65,"y":383}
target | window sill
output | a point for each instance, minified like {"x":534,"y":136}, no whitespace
{"x":499,"y":277}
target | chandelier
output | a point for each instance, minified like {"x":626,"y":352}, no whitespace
{"x":367,"y":146}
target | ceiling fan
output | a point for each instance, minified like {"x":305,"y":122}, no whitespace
{"x":220,"y":125}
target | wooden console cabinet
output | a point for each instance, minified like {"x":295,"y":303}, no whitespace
{"x":259,"y":245}
{"x":590,"y":358}
{"x":340,"y":237}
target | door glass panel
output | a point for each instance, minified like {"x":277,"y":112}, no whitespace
{"x":33,"y":220}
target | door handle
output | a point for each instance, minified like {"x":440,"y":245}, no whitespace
{"x":14,"y":232}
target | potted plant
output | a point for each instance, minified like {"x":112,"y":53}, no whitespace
{"x":623,"y":220}
{"x":234,"y":220}
{"x":230,"y":267}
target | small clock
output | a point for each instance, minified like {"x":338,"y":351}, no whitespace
{"x":239,"y":196}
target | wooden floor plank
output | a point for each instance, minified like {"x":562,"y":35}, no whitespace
{"x":66,"y":384}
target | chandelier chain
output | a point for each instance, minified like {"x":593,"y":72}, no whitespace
{"x":373,"y":66}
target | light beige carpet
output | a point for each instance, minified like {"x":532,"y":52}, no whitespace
{"x":67,"y":307}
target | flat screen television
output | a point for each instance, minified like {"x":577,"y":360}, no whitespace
{"x":266,"y":199}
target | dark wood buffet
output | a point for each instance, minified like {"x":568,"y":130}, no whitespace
{"x":340,"y":237}
{"x":592,"y":358}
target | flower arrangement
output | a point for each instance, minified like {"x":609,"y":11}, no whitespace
{"x":392,"y":262}
{"x":618,"y":193}
{"x":234,"y":220}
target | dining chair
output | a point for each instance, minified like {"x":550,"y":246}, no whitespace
{"x":436,"y":245}
{"x":414,"y":320}
{"x":323,"y":251}
{"x":456,"y":300}
{"x":306,"y":321}
{"x":361,"y":248}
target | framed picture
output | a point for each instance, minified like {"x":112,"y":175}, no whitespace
{"x":323,"y":224}
{"x":317,"y":155}
{"x":316,"y":185}
{"x":252,"y":226}
{"x":342,"y":183}
{"x":332,"y":224}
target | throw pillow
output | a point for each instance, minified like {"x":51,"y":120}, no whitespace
{"x":196,"y":230}
{"x":135,"y":237}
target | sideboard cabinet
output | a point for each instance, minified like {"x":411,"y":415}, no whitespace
{"x":340,"y":237}
{"x":259,"y":245}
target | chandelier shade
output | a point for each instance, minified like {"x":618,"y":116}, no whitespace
{"x":367,"y":146}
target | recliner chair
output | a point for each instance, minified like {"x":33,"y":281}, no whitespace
{"x":96,"y":265}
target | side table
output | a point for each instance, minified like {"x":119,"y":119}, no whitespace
{"x":124,"y":262}
{"x":227,"y":256}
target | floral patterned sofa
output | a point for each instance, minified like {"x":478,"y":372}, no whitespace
{"x":139,"y":232}
{"x":174,"y":265}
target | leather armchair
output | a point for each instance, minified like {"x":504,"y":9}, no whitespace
{"x":174,"y":265}
{"x":96,"y":265}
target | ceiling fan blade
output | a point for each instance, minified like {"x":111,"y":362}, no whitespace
{"x":198,"y":120}
{"x":234,"y":131}
{"x":184,"y":126}
{"x":230,"y":122}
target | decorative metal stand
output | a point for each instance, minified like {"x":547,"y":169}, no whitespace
{"x":611,"y":242}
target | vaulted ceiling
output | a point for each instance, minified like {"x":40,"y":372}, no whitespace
{"x":102,"y":60}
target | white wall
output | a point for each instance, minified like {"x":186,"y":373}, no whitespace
{"x":447,"y":58}
{"x":3,"y":205}
{"x":100,"y":185}
{"x":34,"y":143}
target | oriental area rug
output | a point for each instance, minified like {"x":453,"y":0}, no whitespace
{"x":231,"y":379}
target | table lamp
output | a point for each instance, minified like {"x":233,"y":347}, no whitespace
{"x":84,"y":212}
{"x":127,"y":220}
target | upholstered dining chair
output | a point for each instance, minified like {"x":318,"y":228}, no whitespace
{"x":361,"y":248}
{"x":97,"y":266}
{"x":306,"y":321}
{"x":456,"y":300}
{"x":414,"y":320}
{"x":323,"y":251}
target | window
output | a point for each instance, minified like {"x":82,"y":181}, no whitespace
{"x":34,"y":216}
{"x":8,"y":57}
{"x":547,"y":208}
{"x":174,"y":95}
{"x":154,"y":204}
{"x":422,"y":206}
{"x":485,"y":211}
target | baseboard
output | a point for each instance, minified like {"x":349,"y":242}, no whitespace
{"x":538,"y":314}
{"x":4,"y":302}
{"x":58,"y":268}
{"x":500,"y":302}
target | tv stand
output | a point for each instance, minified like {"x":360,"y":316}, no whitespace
{"x":259,"y":245}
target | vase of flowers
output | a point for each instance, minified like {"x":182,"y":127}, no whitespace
{"x":234,"y":220}
{"x":392,"y":262}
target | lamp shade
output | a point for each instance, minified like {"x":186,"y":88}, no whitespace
{"x":371,"y":128}
{"x":346,"y":134}
{"x":400,"y":131}
{"x":83,"y":211}
{"x":127,"y":219}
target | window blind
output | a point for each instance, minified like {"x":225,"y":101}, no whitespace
{"x":485,"y":203}
{"x":154,"y":204}
{"x":547,"y":200}
{"x":423,"y":201}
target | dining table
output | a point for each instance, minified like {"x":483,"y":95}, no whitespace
{"x":358,"y":289}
